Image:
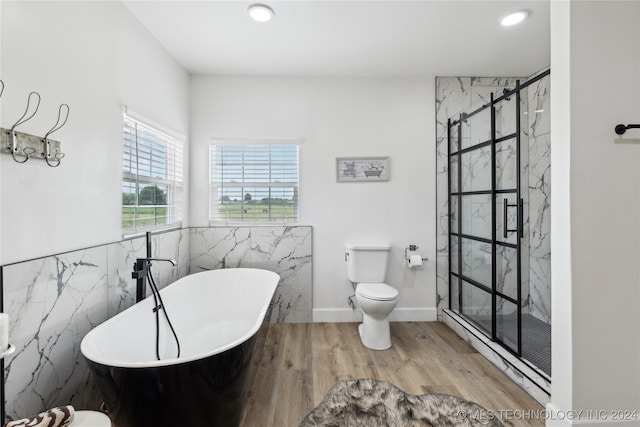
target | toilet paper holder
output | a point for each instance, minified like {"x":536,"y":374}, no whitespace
{"x":412,"y":248}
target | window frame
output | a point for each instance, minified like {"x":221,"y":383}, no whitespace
{"x":173,"y":171}
{"x":271,"y":219}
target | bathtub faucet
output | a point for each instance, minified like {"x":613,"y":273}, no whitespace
{"x":141,"y":272}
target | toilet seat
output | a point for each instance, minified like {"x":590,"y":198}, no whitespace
{"x":377,"y":291}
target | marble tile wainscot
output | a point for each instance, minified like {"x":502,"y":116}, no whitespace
{"x":53,"y":301}
{"x":285,"y":250}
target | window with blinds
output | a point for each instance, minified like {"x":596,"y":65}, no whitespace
{"x":254,"y":183}
{"x":151,"y":178}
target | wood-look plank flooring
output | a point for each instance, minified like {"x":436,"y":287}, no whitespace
{"x":299,"y":363}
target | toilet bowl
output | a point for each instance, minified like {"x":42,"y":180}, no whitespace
{"x":90,"y":419}
{"x":377,"y":301}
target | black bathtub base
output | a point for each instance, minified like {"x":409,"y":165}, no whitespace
{"x":205,"y":392}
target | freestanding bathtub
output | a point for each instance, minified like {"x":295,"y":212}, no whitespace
{"x":217,"y":315}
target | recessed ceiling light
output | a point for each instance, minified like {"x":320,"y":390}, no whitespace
{"x":261,"y":12}
{"x":514,"y":18}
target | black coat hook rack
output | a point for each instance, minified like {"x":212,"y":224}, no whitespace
{"x":621,"y":129}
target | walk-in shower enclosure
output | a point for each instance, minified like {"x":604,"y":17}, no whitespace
{"x":495,"y":151}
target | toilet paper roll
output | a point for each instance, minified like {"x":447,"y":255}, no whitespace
{"x":415,"y":261}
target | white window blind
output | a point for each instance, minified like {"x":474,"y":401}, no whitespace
{"x":152,"y":178}
{"x":254,"y":183}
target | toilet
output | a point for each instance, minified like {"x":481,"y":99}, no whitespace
{"x":367,"y":268}
{"x":90,"y":419}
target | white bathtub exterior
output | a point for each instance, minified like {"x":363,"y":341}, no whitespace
{"x":211,"y":312}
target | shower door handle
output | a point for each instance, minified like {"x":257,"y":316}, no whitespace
{"x":521,"y":218}
{"x":505,"y":204}
{"x":505,"y":226}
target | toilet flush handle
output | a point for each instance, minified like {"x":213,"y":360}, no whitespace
{"x":346,"y":256}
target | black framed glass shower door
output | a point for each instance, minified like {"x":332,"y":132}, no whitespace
{"x":486,"y":211}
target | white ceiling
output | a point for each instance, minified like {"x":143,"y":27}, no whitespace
{"x":351,"y":38}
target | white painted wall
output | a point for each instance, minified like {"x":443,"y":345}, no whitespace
{"x":561,"y":307}
{"x":1,"y":124}
{"x":96,"y":57}
{"x":337,"y":117}
{"x":595,"y":68}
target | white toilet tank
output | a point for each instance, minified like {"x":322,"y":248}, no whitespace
{"x":367,"y":263}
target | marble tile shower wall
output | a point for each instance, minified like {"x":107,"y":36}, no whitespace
{"x":54,"y":301}
{"x":453,"y":96}
{"x":539,"y":174}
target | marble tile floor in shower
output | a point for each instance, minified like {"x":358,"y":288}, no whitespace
{"x":299,"y":363}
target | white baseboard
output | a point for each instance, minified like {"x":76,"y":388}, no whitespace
{"x":336,"y":315}
{"x":555,"y":417}
{"x":414,"y":315}
{"x":339,"y":315}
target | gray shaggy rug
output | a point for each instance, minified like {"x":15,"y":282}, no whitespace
{"x":372,"y":403}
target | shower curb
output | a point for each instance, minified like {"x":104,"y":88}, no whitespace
{"x":535,"y":383}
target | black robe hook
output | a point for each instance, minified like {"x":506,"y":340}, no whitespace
{"x":621,"y":129}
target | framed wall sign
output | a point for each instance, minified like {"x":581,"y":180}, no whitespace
{"x":358,"y":169}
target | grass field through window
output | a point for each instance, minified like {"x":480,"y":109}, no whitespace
{"x":140,"y":217}
{"x":256,"y":212}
